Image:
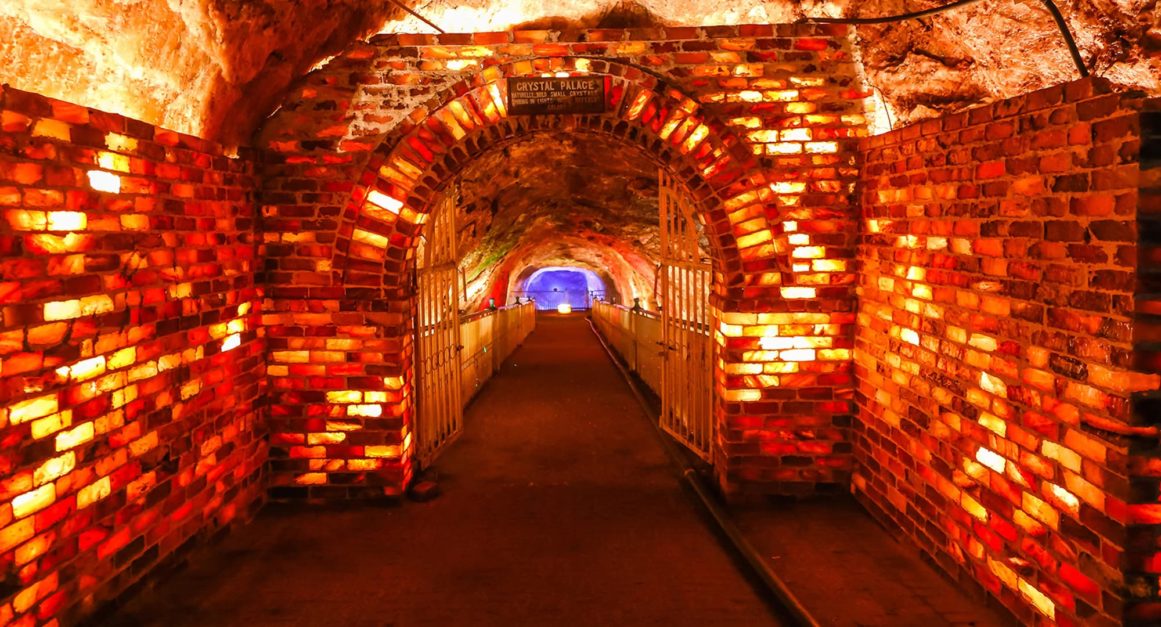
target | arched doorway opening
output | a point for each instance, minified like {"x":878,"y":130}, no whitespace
{"x":515,"y":234}
{"x":554,"y":286}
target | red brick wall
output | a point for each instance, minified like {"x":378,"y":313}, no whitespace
{"x":760,"y":121}
{"x":995,"y":353}
{"x":130,"y":358}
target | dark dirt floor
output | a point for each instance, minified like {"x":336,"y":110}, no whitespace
{"x":558,"y":507}
{"x":829,"y":549}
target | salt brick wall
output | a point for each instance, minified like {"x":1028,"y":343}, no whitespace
{"x":995,"y":349}
{"x":130,"y":355}
{"x":772,"y":110}
{"x":1144,"y":557}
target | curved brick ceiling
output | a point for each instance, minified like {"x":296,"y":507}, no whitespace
{"x":559,"y":200}
{"x":215,"y":68}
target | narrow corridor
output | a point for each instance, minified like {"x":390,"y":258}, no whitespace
{"x":558,"y":507}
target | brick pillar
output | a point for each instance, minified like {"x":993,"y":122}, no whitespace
{"x":1143,"y":559}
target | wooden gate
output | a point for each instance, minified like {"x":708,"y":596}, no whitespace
{"x":686,"y":380}
{"x":437,"y":334}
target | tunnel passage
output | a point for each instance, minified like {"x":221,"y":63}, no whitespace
{"x":967,"y":340}
{"x":780,"y":231}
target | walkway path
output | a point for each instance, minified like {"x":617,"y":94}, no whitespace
{"x":558,"y":507}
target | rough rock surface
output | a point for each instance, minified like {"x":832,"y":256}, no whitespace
{"x":559,"y":200}
{"x":212,"y":68}
{"x":215,"y":68}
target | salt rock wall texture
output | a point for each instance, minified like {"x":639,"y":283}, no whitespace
{"x":767,"y":149}
{"x":210,"y":68}
{"x":216,"y":68}
{"x":130,"y":354}
{"x":1002,"y":352}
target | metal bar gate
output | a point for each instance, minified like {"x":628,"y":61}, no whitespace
{"x":686,"y":380}
{"x":437,"y":329}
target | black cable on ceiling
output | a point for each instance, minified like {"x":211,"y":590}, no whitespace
{"x":417,"y":15}
{"x":1053,"y":10}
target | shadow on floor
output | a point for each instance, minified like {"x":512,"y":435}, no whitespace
{"x":558,"y":507}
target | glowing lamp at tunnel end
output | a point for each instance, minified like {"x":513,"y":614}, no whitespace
{"x":564,"y":308}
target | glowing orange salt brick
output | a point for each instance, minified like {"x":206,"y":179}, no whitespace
{"x":991,"y":459}
{"x":54,"y":129}
{"x":17,"y":533}
{"x":1064,"y":497}
{"x":909,"y":336}
{"x":797,"y":292}
{"x":24,"y":220}
{"x":1066,"y":457}
{"x":383,"y":201}
{"x":993,"y":384}
{"x":83,"y":370}
{"x":795,"y":135}
{"x":367,"y":411}
{"x":66,"y":221}
{"x":834,"y":354}
{"x":1038,"y":599}
{"x":371,"y":239}
{"x":34,"y":500}
{"x":113,"y":161}
{"x":90,"y":494}
{"x":808,"y":252}
{"x":973,"y":507}
{"x":311,"y":478}
{"x":143,"y":445}
{"x":802,"y":354}
{"x":386,"y":451}
{"x":829,"y":265}
{"x":32,"y":409}
{"x":695,"y":138}
{"x":55,"y":468}
{"x":975,"y":471}
{"x":1041,"y":511}
{"x":33,"y":549}
{"x":190,"y":389}
{"x":344,"y":396}
{"x":231,"y":342}
{"x":753,"y":239}
{"x":122,"y":143}
{"x":23,"y":602}
{"x":104,"y":181}
{"x":822,"y":147}
{"x":52,"y":423}
{"x":784,"y":148}
{"x":457,"y":65}
{"x":316,"y":439}
{"x":743,"y":395}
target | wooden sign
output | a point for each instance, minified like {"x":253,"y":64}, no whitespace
{"x":538,"y":96}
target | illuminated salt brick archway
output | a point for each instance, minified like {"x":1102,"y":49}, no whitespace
{"x":783,"y":284}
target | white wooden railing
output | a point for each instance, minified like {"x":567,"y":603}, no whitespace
{"x":635,"y":336}
{"x":488,"y":338}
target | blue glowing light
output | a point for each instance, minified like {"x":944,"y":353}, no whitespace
{"x":553,"y":286}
